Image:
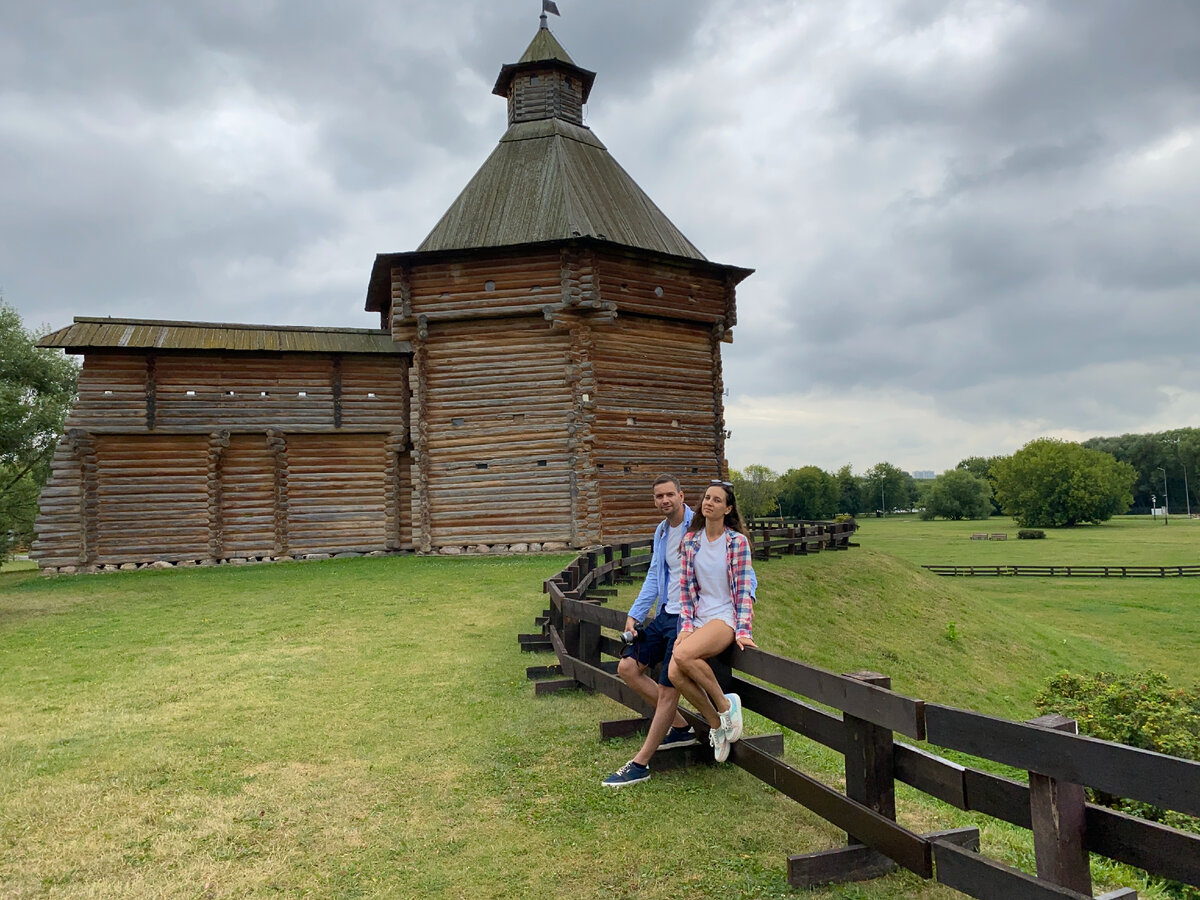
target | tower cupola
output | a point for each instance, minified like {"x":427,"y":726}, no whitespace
{"x":545,"y":83}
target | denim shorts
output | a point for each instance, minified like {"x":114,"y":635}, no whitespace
{"x":656,"y":645}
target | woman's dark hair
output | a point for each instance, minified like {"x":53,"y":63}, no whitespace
{"x":733,"y":518}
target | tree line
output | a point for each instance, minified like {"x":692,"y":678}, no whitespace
{"x":1047,"y":483}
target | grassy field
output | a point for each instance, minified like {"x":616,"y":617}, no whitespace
{"x":1128,"y":540}
{"x":363,"y":728}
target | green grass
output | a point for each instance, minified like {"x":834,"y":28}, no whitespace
{"x":363,"y":728}
{"x":1128,"y":540}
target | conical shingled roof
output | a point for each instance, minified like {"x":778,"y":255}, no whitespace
{"x":545,"y":46}
{"x":552,"y":179}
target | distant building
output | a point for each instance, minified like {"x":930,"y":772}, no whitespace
{"x":923,"y":475}
{"x":551,"y":347}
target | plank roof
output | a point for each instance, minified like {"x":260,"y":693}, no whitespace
{"x":88,"y":333}
{"x":553,"y":180}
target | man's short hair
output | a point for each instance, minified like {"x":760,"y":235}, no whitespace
{"x":663,"y":479}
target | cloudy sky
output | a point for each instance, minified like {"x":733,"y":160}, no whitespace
{"x":973,"y":223}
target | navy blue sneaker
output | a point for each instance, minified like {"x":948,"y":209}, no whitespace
{"x":679,"y":737}
{"x":630,"y":773}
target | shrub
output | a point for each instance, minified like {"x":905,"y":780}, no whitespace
{"x":846,"y":517}
{"x":1030,"y":534}
{"x":1141,"y":710}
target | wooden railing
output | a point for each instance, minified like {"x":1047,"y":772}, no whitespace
{"x":1091,"y":571}
{"x":1051,"y":803}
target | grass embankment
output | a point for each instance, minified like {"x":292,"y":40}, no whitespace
{"x":363,"y":728}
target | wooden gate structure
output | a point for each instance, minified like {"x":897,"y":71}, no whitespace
{"x":551,"y":347}
{"x":868,"y":716}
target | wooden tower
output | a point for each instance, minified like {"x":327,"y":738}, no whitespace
{"x":551,"y":347}
{"x":566,"y":336}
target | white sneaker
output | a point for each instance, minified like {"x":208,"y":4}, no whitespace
{"x":720,"y":743}
{"x":731,"y":719}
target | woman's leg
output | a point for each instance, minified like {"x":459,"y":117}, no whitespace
{"x":691,"y":673}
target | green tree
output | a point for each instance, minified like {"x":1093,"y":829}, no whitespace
{"x":981,"y":467}
{"x":757,"y":490}
{"x":958,"y":494}
{"x":1050,"y":482}
{"x":37,"y":386}
{"x":887,"y":487}
{"x":849,"y":491}
{"x":1176,"y":452}
{"x":808,"y":493}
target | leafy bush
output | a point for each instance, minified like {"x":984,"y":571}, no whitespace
{"x":1141,"y":710}
{"x":1030,"y":534}
{"x":846,"y":517}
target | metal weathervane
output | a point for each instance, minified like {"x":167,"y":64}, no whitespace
{"x":549,"y":6}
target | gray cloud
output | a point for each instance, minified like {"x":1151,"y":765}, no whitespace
{"x":980,"y":215}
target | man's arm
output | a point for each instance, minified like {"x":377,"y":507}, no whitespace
{"x":650,"y":587}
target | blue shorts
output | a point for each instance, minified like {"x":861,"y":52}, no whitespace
{"x":656,"y":645}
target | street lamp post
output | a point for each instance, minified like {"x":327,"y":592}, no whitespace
{"x":1166,"y":498}
{"x":1187,"y":497}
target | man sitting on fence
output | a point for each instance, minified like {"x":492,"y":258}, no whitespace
{"x":662,"y":585}
{"x":667,"y":728}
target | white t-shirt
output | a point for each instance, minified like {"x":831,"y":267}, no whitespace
{"x":712,"y":580}
{"x":674,"y":561}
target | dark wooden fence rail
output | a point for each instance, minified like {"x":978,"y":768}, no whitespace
{"x":1075,"y":571}
{"x":1051,"y":803}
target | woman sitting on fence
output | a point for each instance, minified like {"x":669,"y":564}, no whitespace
{"x":716,"y":609}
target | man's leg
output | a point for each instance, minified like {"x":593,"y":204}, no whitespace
{"x":633,"y":673}
{"x":665,"y":713}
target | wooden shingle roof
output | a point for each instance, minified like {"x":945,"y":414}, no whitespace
{"x":88,"y":333}
{"x":553,"y":180}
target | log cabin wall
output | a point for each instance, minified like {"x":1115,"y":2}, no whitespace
{"x":181,"y":456}
{"x":552,"y":385}
{"x":490,"y":424}
{"x":657,"y":411}
{"x":545,"y":94}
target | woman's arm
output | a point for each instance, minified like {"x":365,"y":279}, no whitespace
{"x":741,"y":562}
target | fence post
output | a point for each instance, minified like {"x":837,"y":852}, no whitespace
{"x":871,"y":780}
{"x":610,"y":578}
{"x":870,"y":767}
{"x":589,"y":643}
{"x":791,"y":533}
{"x":626,"y":552}
{"x":766,"y":543}
{"x":1057,"y":809}
{"x":592,"y":559}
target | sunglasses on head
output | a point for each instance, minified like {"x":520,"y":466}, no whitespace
{"x":728,"y":484}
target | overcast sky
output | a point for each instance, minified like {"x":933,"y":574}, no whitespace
{"x":973,"y":223}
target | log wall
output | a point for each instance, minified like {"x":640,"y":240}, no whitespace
{"x":199,"y":457}
{"x":658,"y":411}
{"x":548,"y":388}
{"x":490,"y":427}
{"x":545,"y":94}
{"x":565,"y":380}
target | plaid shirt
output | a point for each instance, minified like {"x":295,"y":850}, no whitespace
{"x":742,"y":582}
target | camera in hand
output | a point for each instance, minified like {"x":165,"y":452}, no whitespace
{"x":639,"y":631}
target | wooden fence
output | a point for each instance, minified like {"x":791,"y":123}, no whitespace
{"x":1051,"y":803}
{"x":1073,"y":571}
